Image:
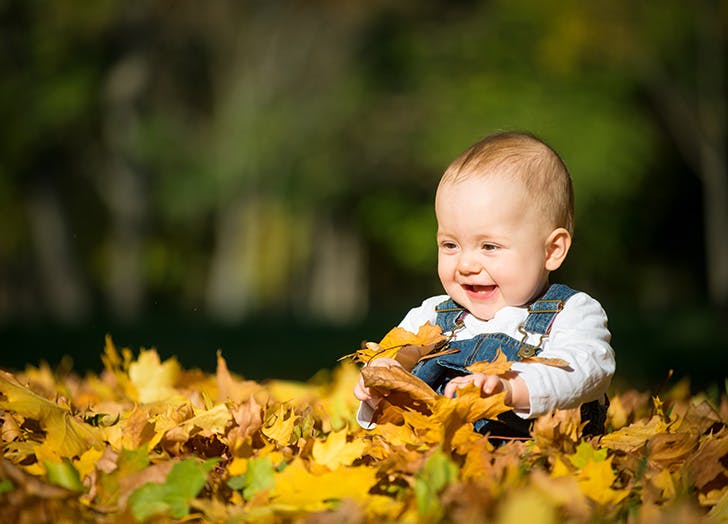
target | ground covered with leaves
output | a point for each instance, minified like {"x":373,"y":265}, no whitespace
{"x":148,"y":441}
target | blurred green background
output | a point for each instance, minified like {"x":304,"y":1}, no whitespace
{"x":258,"y":176}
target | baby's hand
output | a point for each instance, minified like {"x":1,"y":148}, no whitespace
{"x":488,"y":384}
{"x":371,"y":395}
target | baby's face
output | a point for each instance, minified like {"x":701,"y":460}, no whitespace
{"x":492,"y":244}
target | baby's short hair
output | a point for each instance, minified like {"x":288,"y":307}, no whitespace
{"x":525,"y":158}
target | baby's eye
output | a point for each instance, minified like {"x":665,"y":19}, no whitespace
{"x":489,"y":247}
{"x":446,"y":244}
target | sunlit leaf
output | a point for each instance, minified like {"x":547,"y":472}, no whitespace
{"x":296,"y":487}
{"x":419,"y":344}
{"x":586,"y":453}
{"x":395,"y":378}
{"x":596,"y":481}
{"x":335,"y":451}
{"x":152,"y":379}
{"x":279,"y":426}
{"x":305,"y":457}
{"x":500,"y":365}
{"x":67,"y":435}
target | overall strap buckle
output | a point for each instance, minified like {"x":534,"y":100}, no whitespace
{"x":526,"y":350}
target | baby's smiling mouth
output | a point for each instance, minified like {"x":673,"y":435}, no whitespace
{"x":478,"y":290}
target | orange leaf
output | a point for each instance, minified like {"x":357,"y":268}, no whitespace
{"x":427,"y":338}
{"x":500,"y":365}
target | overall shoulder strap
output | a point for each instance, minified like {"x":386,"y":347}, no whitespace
{"x":448,"y":313}
{"x":542,"y":312}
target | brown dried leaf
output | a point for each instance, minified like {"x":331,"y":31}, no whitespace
{"x":395,"y":378}
{"x":231,"y":388}
{"x":555,"y":362}
{"x":670,"y":448}
{"x":633,"y":437}
{"x":709,"y":462}
{"x":559,"y":429}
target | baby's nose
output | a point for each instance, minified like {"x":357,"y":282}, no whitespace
{"x":468,"y":264}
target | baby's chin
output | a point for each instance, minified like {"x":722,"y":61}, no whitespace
{"x":484,"y":313}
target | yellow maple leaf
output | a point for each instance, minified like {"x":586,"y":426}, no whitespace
{"x":559,"y":468}
{"x":66,"y":435}
{"x":595,"y":481}
{"x":298,"y":489}
{"x":397,"y":435}
{"x":213,"y":420}
{"x":469,"y":405}
{"x":633,"y":437}
{"x":279,"y":426}
{"x":335,"y":451}
{"x":86,"y":463}
{"x":153,"y":380}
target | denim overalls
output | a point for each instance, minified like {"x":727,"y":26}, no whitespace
{"x":438,"y":371}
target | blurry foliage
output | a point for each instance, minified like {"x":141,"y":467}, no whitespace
{"x":244,"y":129}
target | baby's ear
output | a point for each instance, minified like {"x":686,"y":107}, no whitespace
{"x":557,"y":247}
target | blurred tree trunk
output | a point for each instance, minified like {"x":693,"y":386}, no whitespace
{"x":338,"y":288}
{"x":64,"y":292}
{"x":229,"y":293}
{"x":123,"y":189}
{"x":275,"y":106}
{"x":697,"y":122}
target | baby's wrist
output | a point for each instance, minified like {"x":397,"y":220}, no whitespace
{"x":508,"y":390}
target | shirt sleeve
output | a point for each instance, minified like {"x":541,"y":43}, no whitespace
{"x":579,"y":335}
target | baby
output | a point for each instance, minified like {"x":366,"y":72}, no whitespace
{"x":505,"y":212}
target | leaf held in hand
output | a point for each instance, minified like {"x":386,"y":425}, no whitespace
{"x":427,"y":338}
{"x":394,"y":378}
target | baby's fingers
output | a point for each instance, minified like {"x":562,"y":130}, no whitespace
{"x":491,"y":384}
{"x":361,"y":392}
{"x":455,"y":384}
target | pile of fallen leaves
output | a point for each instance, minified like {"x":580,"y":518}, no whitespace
{"x":146,"y":440}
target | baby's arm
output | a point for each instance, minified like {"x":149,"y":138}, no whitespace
{"x":579,"y":336}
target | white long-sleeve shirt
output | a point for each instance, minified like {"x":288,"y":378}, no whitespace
{"x":579,"y":335}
